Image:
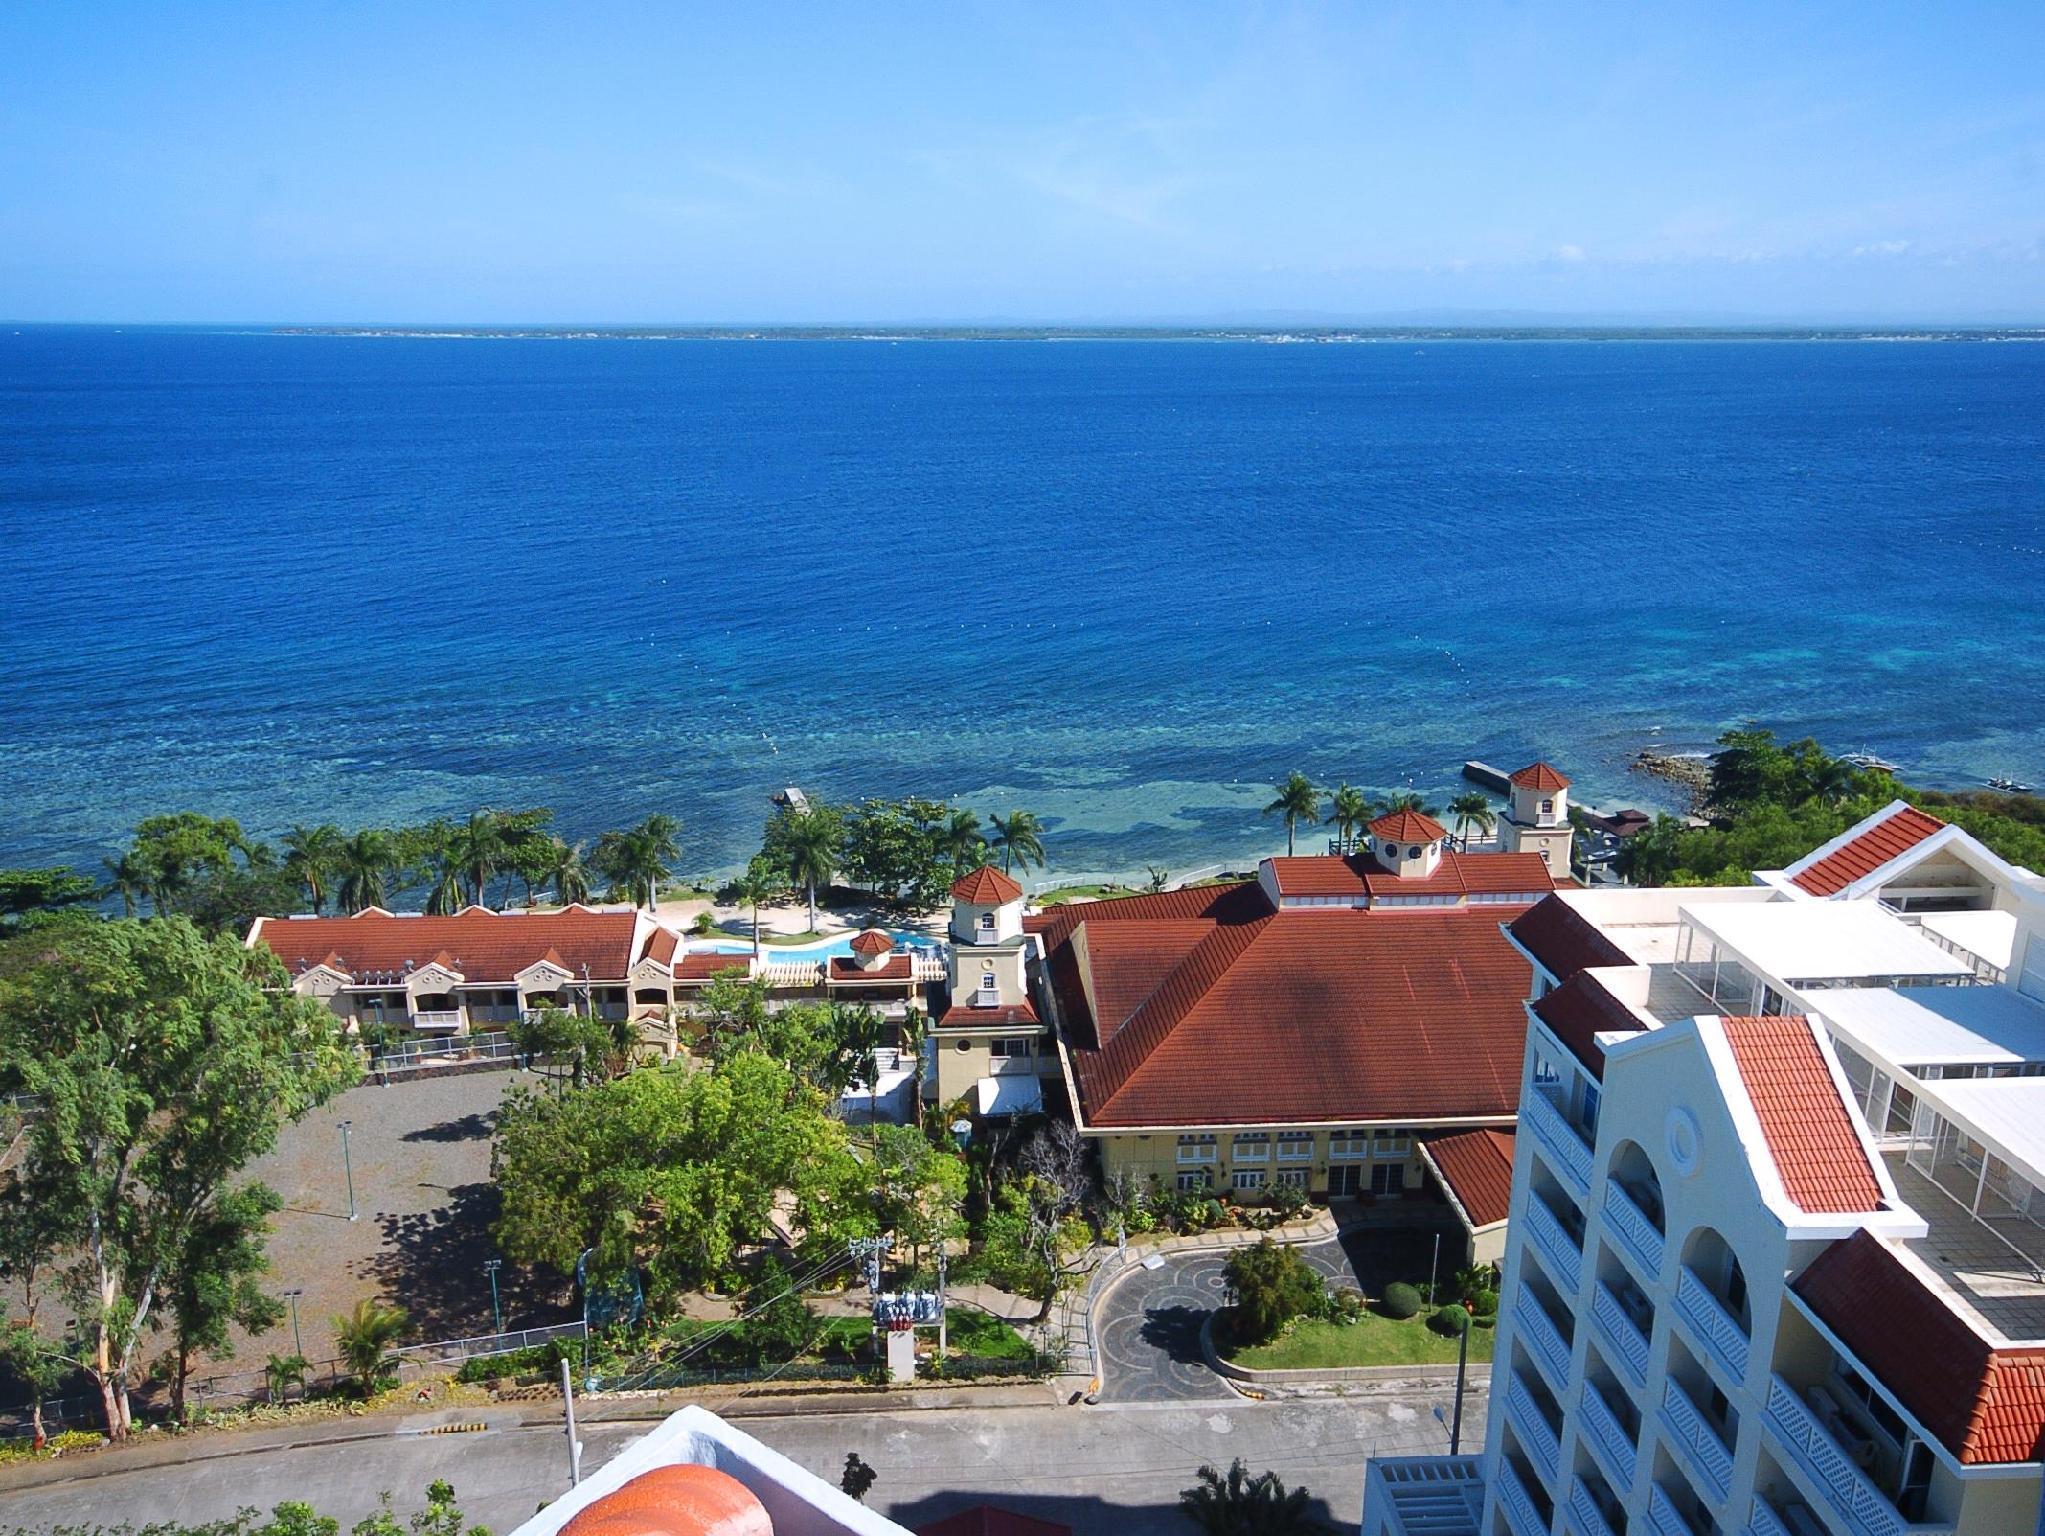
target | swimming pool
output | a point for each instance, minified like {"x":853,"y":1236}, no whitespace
{"x":825,"y":949}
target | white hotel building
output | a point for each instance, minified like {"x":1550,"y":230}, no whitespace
{"x":1774,"y":1264}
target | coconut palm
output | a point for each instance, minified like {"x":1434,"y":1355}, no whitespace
{"x":963,"y":839}
{"x":566,"y":872}
{"x":637,"y":860}
{"x":811,"y":843}
{"x":1160,"y":877}
{"x":1408,"y":800}
{"x":363,"y":869}
{"x":126,"y":879}
{"x":479,"y":849}
{"x":760,"y":884}
{"x":1348,"y":809}
{"x":364,"y":1338}
{"x":444,"y":899}
{"x":1472,"y":810}
{"x":311,"y":855}
{"x":283,"y":1372}
{"x":1242,"y":1505}
{"x":1297,"y":801}
{"x":1020,"y":837}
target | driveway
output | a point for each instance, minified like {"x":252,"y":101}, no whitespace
{"x":1148,"y":1325}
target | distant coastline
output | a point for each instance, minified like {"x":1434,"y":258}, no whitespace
{"x":1274,"y":335}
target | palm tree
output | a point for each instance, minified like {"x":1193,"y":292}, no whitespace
{"x":1020,"y":837}
{"x":637,"y":860}
{"x":812,"y":848}
{"x":1472,"y":810}
{"x":364,"y":1338}
{"x":310,"y":857}
{"x":283,"y":1372}
{"x":479,"y":849}
{"x":363,"y":866}
{"x":127,"y":879}
{"x":445,"y":898}
{"x":1348,"y":809}
{"x":759,"y":884}
{"x":1297,"y":801}
{"x":1160,"y":877}
{"x":567,"y":873}
{"x":963,"y":838}
{"x":1242,"y":1505}
{"x":1408,"y":800}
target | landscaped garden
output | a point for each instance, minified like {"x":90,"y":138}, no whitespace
{"x":1282,"y":1317}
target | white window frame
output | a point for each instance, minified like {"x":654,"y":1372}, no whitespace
{"x":1198,"y":1149}
{"x":1188,"y":1183}
{"x":1251,"y":1147}
{"x":1348,"y":1147}
{"x":1386,"y":1147}
{"x":1295,"y":1178}
{"x":1295,"y":1146}
{"x":1246,"y":1180}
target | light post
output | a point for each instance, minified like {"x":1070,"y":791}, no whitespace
{"x":490,"y":1267}
{"x":1433,"y":1266}
{"x":297,"y":1343}
{"x":348,"y":1165}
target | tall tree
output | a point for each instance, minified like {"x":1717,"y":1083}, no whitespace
{"x":638,"y":859}
{"x":567,"y":874}
{"x":32,"y":896}
{"x":217,"y":1284}
{"x":479,"y":848}
{"x":813,"y":855}
{"x":1472,"y":810}
{"x":33,"y":1230}
{"x":1297,"y":801}
{"x":1406,"y":800}
{"x":127,"y":879}
{"x":1020,"y":837}
{"x":311,"y":857}
{"x":964,"y":841}
{"x":1348,"y":810}
{"x":900,"y":849}
{"x":170,"y":853}
{"x":363,"y":868}
{"x":166,"y":1062}
{"x":759,"y":884}
{"x":919,"y":1190}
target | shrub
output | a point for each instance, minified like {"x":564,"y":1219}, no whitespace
{"x":1484,"y":1302}
{"x":1269,"y":1285}
{"x":1343,"y":1306}
{"x":1400,"y":1300}
{"x":1288,"y":1200}
{"x":1449,"y":1321}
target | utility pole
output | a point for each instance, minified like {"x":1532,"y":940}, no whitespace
{"x":490,"y":1267}
{"x":568,"y":1409}
{"x":1462,"y":1368}
{"x":348,"y":1165}
{"x":1433,"y":1267}
{"x":297,"y":1343}
{"x":943,"y":1337}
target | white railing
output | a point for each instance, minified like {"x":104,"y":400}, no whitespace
{"x":1689,"y":1428}
{"x":986,"y":936}
{"x":1558,"y":1138}
{"x":1583,"y":1509}
{"x":792,"y":973}
{"x":986,"y":998}
{"x":1543,"y":1338}
{"x":1607,"y":1436}
{"x":1637,"y":1235}
{"x":1662,"y":1516}
{"x":1543,"y":1445}
{"x":437,"y":1018}
{"x":453,"y":1351}
{"x":1517,"y":1503}
{"x":1850,"y":1492}
{"x":921,"y":969}
{"x":1627,"y":1341}
{"x":1763,"y":1520}
{"x":1715,"y":1327}
{"x":1562,"y":1254}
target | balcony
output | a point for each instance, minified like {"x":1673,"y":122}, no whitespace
{"x":1584,"y":1511}
{"x":1517,"y":1503}
{"x":1664,"y":1519}
{"x":1542,"y":1442}
{"x":1562,"y":1254}
{"x":986,"y":936}
{"x":1715,"y":1328}
{"x":1542,"y":1337}
{"x":1567,"y":1150}
{"x":1627,"y":1338}
{"x":1639,"y":1238}
{"x":437,"y":1020}
{"x":1609,"y":1442}
{"x":1698,"y":1438}
{"x":1854,"y":1497}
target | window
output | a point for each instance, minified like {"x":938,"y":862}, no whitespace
{"x":1196,"y":1149}
{"x":1412,"y":853}
{"x":1252,"y":1147}
{"x":989,"y":987}
{"x":1247,"y":1178}
{"x":1295,"y":1178}
{"x":1190,"y":1182}
{"x":1295,"y":1146}
{"x":1348,"y":1147}
{"x":1009,"y":1050}
{"x":1391,"y":1144}
{"x":1547,"y":807}
{"x":987,"y":920}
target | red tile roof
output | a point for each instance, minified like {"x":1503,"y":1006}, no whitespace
{"x":871,"y":941}
{"x":986,"y":887}
{"x":844,"y":968}
{"x":987,"y":1520}
{"x":1564,"y":940}
{"x":965,"y":1016}
{"x":1236,"y":902}
{"x":1477,"y":1167}
{"x":1985,"y":1402}
{"x":705,"y":964}
{"x":1540,"y":776}
{"x":1458,"y":874}
{"x":1409,"y":827}
{"x":1810,"y":1132}
{"x":1861,"y":855}
{"x":661,"y":945}
{"x":1300,"y":1016}
{"x":1579,"y":1011}
{"x":483,"y":946}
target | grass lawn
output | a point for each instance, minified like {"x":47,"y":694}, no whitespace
{"x":1371,"y":1340}
{"x":1069,"y":892}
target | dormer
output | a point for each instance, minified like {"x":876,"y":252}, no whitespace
{"x":872,"y":949}
{"x":1540,"y":797}
{"x":324,"y":979}
{"x":986,"y":908}
{"x":546,"y":974}
{"x":440,"y":974}
{"x":1407,"y":844}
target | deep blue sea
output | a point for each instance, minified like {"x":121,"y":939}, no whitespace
{"x":1124,"y":584}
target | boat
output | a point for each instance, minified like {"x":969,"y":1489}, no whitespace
{"x":2011,"y":787}
{"x":1869,"y":763}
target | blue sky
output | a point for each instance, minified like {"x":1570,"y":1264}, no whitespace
{"x":668,"y":163}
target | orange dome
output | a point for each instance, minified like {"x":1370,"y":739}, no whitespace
{"x":675,"y":1501}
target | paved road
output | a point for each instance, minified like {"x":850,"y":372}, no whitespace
{"x":1148,"y":1324}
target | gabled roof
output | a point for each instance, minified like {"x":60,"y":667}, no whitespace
{"x":483,"y":946}
{"x":871,"y":941}
{"x":986,"y":887}
{"x":1817,"y":1151}
{"x":1458,"y":874}
{"x":965,"y":1016}
{"x":1864,"y":848}
{"x":1984,"y":1402}
{"x":1564,"y":940}
{"x":1539,"y":776}
{"x":661,"y":944}
{"x":706,"y":964}
{"x":1476,"y":1167}
{"x":896,"y":968}
{"x":1409,"y":827}
{"x":1580,"y":1010}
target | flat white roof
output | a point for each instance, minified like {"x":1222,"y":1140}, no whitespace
{"x":1913,"y":1027}
{"x":2005,"y":1113}
{"x":1010,"y":1093}
{"x":1990,"y":935}
{"x":1805,"y":941}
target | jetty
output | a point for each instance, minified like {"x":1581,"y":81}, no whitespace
{"x":1488,"y":777}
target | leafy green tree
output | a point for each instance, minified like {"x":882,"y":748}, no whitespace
{"x":1242,"y":1505}
{"x":812,"y":846}
{"x":36,"y":1364}
{"x":229,"y":899}
{"x":166,"y":1063}
{"x":580,"y":1046}
{"x":779,"y":1324}
{"x":1020,"y":837}
{"x":1472,"y":810}
{"x":364,"y":867}
{"x":1298,"y":801}
{"x":1348,"y":811}
{"x":127,"y":879}
{"x":1023,"y":1236}
{"x":1269,"y":1285}
{"x":901,"y":849}
{"x":669,"y":1171}
{"x":635,"y":861}
{"x":759,"y":884}
{"x":364,"y":1337}
{"x":32,"y":896}
{"x":217,"y":1284}
{"x":170,"y":853}
{"x":1651,"y":855}
{"x":311,"y":857}
{"x":918,"y":1191}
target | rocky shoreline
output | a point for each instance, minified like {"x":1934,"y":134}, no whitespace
{"x":1692,"y":775}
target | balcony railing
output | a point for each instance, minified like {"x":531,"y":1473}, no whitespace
{"x":1559,"y":1251}
{"x":437,"y":1018}
{"x":1607,"y":1436}
{"x":1517,"y":1503}
{"x":1637,"y":1235}
{"x":1625,"y":1337}
{"x":1543,"y":1445}
{"x":1543,"y":1339}
{"x":1663,"y":1518}
{"x":1690,"y":1429}
{"x":1566,"y":1149}
{"x":1852,"y":1494}
{"x":986,"y":936}
{"x":1716,"y":1328}
{"x":1762,"y":1520}
{"x":1583,"y":1509}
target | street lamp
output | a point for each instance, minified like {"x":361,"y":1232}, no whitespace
{"x":348,"y":1165}
{"x":490,"y":1267}
{"x":962,"y":1132}
{"x":297,"y":1343}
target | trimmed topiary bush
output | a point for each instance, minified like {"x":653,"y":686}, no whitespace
{"x":1400,"y":1300}
{"x":1449,"y":1321}
{"x":1484,"y":1303}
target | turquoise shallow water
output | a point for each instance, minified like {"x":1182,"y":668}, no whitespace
{"x":1124,"y":584}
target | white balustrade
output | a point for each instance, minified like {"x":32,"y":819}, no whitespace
{"x":1583,"y":1509}
{"x":1851,"y":1493}
{"x":1716,"y":1328}
{"x":1662,"y":1516}
{"x":1637,"y":1235}
{"x":1517,"y":1503}
{"x":1543,"y":1339}
{"x":1763,"y":1521}
{"x":1559,"y":1251}
{"x":1607,"y":1437}
{"x":1626,"y":1339}
{"x":1688,"y":1428}
{"x":1559,"y":1139}
{"x":1543,"y":1446}
{"x":437,"y":1018}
